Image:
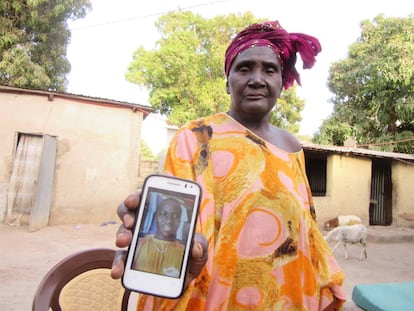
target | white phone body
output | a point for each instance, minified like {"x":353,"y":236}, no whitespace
{"x":156,"y":266}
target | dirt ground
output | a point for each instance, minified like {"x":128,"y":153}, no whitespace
{"x":26,"y":257}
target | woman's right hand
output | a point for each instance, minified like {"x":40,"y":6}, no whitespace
{"x":126,"y":212}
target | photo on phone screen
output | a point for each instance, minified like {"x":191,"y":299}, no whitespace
{"x":158,"y":256}
{"x":163,"y":232}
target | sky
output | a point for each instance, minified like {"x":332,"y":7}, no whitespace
{"x":102,"y":44}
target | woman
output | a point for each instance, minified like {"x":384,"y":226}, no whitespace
{"x":265,"y":251}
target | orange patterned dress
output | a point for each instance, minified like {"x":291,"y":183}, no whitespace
{"x":265,"y":249}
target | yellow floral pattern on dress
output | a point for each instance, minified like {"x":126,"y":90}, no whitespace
{"x":265,"y":249}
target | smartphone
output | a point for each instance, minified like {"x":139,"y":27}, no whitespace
{"x":159,"y":254}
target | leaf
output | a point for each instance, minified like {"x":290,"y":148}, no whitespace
{"x":33,"y":38}
{"x":184,"y":73}
{"x":374,"y":86}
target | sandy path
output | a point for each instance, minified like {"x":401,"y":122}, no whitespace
{"x":26,"y":257}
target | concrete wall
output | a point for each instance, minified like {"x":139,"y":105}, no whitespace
{"x":97,"y":156}
{"x":403,"y":194}
{"x":348,"y":188}
{"x":146,"y":168}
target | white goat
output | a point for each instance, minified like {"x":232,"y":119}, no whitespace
{"x":352,"y":234}
{"x":341,"y":220}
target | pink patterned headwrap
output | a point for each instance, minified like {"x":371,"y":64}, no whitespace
{"x":284,"y":44}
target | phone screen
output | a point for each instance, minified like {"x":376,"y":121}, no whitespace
{"x":158,"y":256}
{"x":163,"y":232}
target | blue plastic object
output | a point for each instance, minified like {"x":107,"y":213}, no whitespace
{"x":397,"y":296}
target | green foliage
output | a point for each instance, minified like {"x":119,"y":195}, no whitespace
{"x":33,"y":38}
{"x":334,"y":132}
{"x":146,"y":153}
{"x":185,"y":73}
{"x":304,"y":138}
{"x":374,"y":87}
{"x":286,"y":113}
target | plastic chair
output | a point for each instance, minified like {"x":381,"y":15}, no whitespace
{"x":82,"y":281}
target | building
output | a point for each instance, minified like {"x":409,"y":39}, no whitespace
{"x":66,"y":158}
{"x":375,"y":185}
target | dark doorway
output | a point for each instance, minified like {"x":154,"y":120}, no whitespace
{"x":380,"y":207}
{"x":316,"y":172}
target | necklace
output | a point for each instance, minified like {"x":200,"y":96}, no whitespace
{"x":160,"y":246}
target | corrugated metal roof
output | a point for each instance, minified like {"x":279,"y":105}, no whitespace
{"x":104,"y":101}
{"x":358,"y":151}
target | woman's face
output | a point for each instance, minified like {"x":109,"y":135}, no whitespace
{"x":254,"y":83}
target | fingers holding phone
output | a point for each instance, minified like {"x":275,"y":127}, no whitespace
{"x":118,"y":265}
{"x":126,"y":212}
{"x":159,"y":255}
{"x":128,"y":209}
